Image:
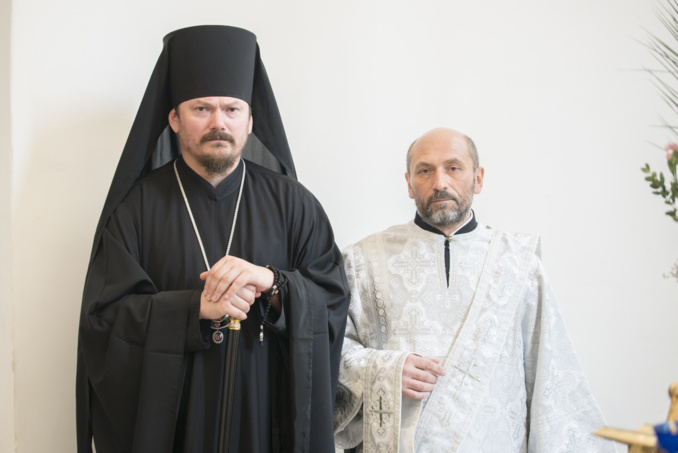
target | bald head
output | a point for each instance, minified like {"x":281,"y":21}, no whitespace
{"x":440,"y":138}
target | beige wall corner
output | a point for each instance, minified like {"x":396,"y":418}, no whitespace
{"x":6,"y":321}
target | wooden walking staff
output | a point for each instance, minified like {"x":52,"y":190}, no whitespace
{"x":228,"y":391}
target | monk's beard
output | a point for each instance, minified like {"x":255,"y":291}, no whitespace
{"x":217,"y":165}
{"x":445,"y":216}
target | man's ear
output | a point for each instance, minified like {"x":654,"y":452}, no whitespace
{"x":480,"y":175}
{"x":174,"y":120}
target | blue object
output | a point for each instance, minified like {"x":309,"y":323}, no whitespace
{"x":665,"y":439}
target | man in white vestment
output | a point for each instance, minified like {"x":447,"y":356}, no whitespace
{"x":454,"y":341}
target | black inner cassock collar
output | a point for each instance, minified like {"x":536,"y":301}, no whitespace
{"x":470,"y":226}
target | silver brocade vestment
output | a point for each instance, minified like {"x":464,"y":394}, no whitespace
{"x":513,"y":382}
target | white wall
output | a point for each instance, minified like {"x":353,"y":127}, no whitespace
{"x":6,"y":325}
{"x":550,"y":91}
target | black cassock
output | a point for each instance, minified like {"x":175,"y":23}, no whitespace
{"x":147,"y":364}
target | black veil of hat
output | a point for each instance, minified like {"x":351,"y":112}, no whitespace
{"x":201,"y":61}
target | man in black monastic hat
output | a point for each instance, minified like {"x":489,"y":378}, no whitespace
{"x":194,"y":230}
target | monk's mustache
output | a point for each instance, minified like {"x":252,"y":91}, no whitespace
{"x":218,"y":135}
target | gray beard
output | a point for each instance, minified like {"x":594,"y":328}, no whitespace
{"x":445,"y":217}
